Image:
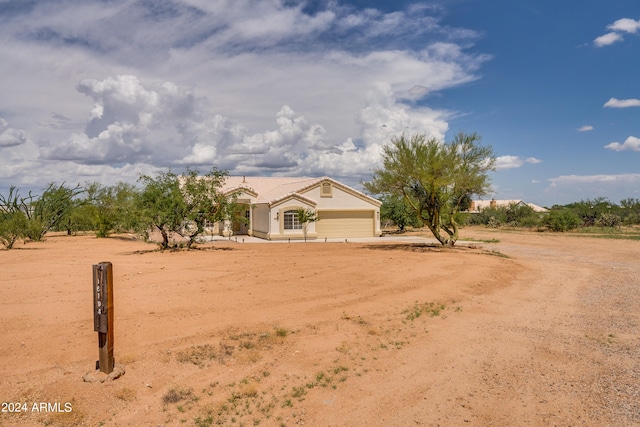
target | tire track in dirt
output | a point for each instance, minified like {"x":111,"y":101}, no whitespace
{"x":558,"y":346}
{"x":579,"y":322}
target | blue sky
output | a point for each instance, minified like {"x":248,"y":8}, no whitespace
{"x":97,"y":90}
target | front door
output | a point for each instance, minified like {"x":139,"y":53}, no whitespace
{"x":243,"y":227}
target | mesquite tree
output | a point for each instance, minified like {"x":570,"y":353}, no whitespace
{"x":182,"y":204}
{"x":436,"y":178}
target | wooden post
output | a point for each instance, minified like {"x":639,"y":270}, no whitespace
{"x":103,"y":314}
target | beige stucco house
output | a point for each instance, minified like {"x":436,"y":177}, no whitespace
{"x":270,"y":202}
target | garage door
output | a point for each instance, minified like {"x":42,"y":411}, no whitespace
{"x":345,"y":224}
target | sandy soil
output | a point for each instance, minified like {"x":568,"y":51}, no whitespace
{"x":327,"y":334}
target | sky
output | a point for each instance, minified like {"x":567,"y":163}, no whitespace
{"x":107,"y":90}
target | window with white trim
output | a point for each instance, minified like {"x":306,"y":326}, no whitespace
{"x":291,"y":221}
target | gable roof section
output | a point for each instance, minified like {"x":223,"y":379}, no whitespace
{"x":239,"y":190}
{"x":293,"y":196}
{"x":344,"y":188}
{"x":537,"y":208}
{"x":273,"y":190}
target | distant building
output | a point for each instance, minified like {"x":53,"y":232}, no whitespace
{"x":479,"y":205}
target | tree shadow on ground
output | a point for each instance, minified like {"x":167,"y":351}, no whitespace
{"x":125,"y":237}
{"x":18,"y":248}
{"x":427,"y":247}
{"x":180,"y":249}
{"x":413,"y":247}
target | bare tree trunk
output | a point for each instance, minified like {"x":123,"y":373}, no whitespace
{"x":165,"y":238}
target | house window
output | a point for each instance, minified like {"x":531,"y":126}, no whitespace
{"x":291,"y":221}
{"x":326,"y":190}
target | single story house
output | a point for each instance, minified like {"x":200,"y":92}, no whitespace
{"x":270,"y":202}
{"x":479,"y":205}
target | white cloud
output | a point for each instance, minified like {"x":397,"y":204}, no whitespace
{"x":384,"y":117}
{"x":625,"y":25}
{"x":199,"y":83}
{"x":10,"y":137}
{"x":631,"y":143}
{"x":508,"y":162}
{"x":585,"y":128}
{"x":130,"y":123}
{"x":629,"y":178}
{"x":163,"y":124}
{"x":607,"y":39}
{"x":622,"y":103}
{"x":512,"y":162}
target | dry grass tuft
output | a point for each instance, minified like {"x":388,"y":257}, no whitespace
{"x":66,"y":419}
{"x":175,"y":395}
{"x":126,"y":394}
{"x":199,"y":355}
{"x":127,"y":359}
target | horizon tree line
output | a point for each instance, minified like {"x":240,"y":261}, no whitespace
{"x":422,"y":182}
{"x":168,"y":203}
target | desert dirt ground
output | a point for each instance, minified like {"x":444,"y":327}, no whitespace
{"x":532,"y":330}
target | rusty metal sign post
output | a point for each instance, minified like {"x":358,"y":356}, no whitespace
{"x":103,"y":314}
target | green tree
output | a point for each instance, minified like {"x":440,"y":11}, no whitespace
{"x":160,"y":205}
{"x":13,"y":226}
{"x":181,"y":205}
{"x":13,"y":221}
{"x":107,"y":209}
{"x":204,"y":202}
{"x":396,"y":209}
{"x":306,"y":216}
{"x":47,"y":211}
{"x":436,"y":178}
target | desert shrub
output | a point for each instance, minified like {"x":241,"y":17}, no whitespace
{"x":488,"y":214}
{"x":473,"y":219}
{"x":632,"y":219}
{"x":561,"y":220}
{"x":13,"y":226}
{"x":608,"y":220}
{"x":494,"y":222}
{"x":531,"y":221}
{"x":514,"y":215}
{"x":590,"y":210}
{"x":518,"y":214}
{"x":396,"y":210}
{"x":630,"y":211}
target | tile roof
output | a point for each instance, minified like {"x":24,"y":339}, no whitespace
{"x":483,"y":204}
{"x":273,"y":189}
{"x":269,"y":189}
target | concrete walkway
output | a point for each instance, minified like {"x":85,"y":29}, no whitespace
{"x":384,"y":239}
